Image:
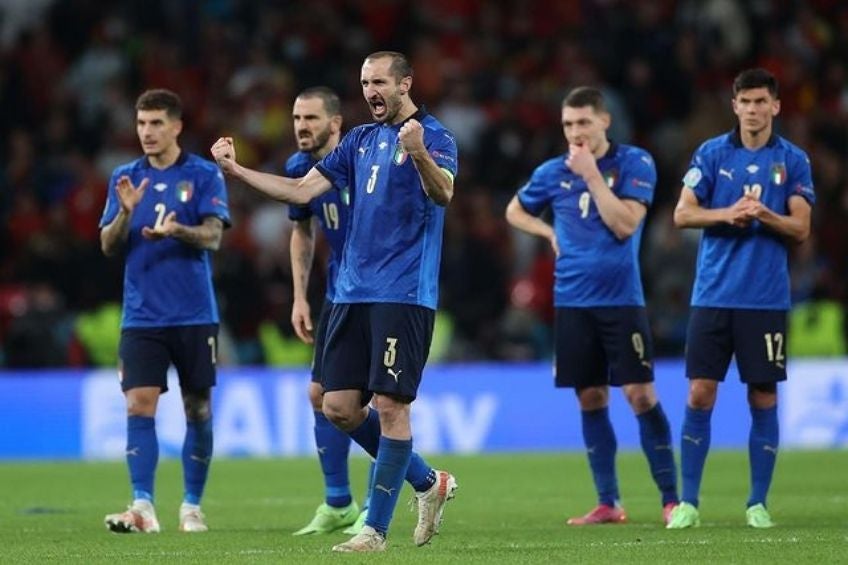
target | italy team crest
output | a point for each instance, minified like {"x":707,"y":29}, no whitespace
{"x":778,"y":173}
{"x":610,"y":177}
{"x":399,"y":157}
{"x":185,"y":189}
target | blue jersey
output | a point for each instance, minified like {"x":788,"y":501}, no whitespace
{"x":168,"y":282}
{"x":594,"y":267}
{"x":745,"y":267}
{"x":332,"y":210}
{"x":395,"y":234}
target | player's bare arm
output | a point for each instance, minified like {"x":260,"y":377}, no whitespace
{"x":795,"y":226}
{"x":113,"y":236}
{"x":690,"y":214}
{"x":622,"y":217}
{"x":207,"y":235}
{"x":518,"y":217}
{"x":302,"y":247}
{"x":437,"y":183}
{"x":293,"y":191}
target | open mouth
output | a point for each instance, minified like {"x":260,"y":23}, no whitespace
{"x":378,"y":107}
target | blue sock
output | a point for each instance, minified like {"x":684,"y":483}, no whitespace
{"x":655,"y":435}
{"x":367,"y":435}
{"x":370,"y":486}
{"x":601,"y":447}
{"x":142,"y":455}
{"x":762,"y":450}
{"x":197,"y":455}
{"x":392,"y":462}
{"x":333,"y":448}
{"x":420,"y":475}
{"x":694,"y":446}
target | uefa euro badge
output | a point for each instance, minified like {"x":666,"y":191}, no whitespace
{"x":399,"y":157}
{"x":185,"y":189}
{"x":778,"y":173}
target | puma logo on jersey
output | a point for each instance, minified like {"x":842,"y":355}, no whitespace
{"x":160,"y":187}
{"x":383,"y":145}
{"x":566,"y":184}
{"x":394,"y":374}
{"x":388,"y":491}
{"x":725,"y":173}
{"x":695,"y":440}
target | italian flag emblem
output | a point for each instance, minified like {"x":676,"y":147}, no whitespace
{"x":184,"y":191}
{"x":778,"y":173}
{"x":400,"y":155}
{"x":610,"y":177}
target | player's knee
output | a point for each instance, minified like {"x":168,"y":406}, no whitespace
{"x":316,"y":396}
{"x":640,"y":397}
{"x":141,"y":403}
{"x":762,"y":395}
{"x":343,"y":415}
{"x":702,"y":394}
{"x":592,"y":398}
{"x":197,"y":405}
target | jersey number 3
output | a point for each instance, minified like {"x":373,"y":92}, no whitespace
{"x":372,"y":180}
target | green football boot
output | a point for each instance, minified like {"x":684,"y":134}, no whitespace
{"x":328,"y":519}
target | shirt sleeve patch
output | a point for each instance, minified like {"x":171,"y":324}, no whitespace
{"x":693,"y":177}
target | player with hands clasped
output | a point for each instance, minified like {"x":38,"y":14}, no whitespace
{"x":165,"y":211}
{"x":751,"y":191}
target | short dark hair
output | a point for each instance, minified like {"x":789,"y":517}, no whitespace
{"x":328,"y":96}
{"x":400,"y":67}
{"x":161,"y":99}
{"x":755,"y":78}
{"x":585,"y":96}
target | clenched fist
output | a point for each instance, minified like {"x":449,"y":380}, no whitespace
{"x":224,"y":152}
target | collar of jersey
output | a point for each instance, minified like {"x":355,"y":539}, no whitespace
{"x":181,"y":159}
{"x":613,"y":147}
{"x":419,"y":115}
{"x":736,"y":138}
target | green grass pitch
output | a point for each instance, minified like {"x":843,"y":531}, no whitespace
{"x":509,"y":508}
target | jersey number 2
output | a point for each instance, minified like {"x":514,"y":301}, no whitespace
{"x":160,"y":215}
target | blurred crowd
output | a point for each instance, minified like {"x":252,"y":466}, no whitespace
{"x":493,"y":72}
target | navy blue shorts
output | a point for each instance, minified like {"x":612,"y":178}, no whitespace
{"x":320,"y":342}
{"x":756,"y":337}
{"x":602,"y":346}
{"x":377,"y":348}
{"x":146,"y":353}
